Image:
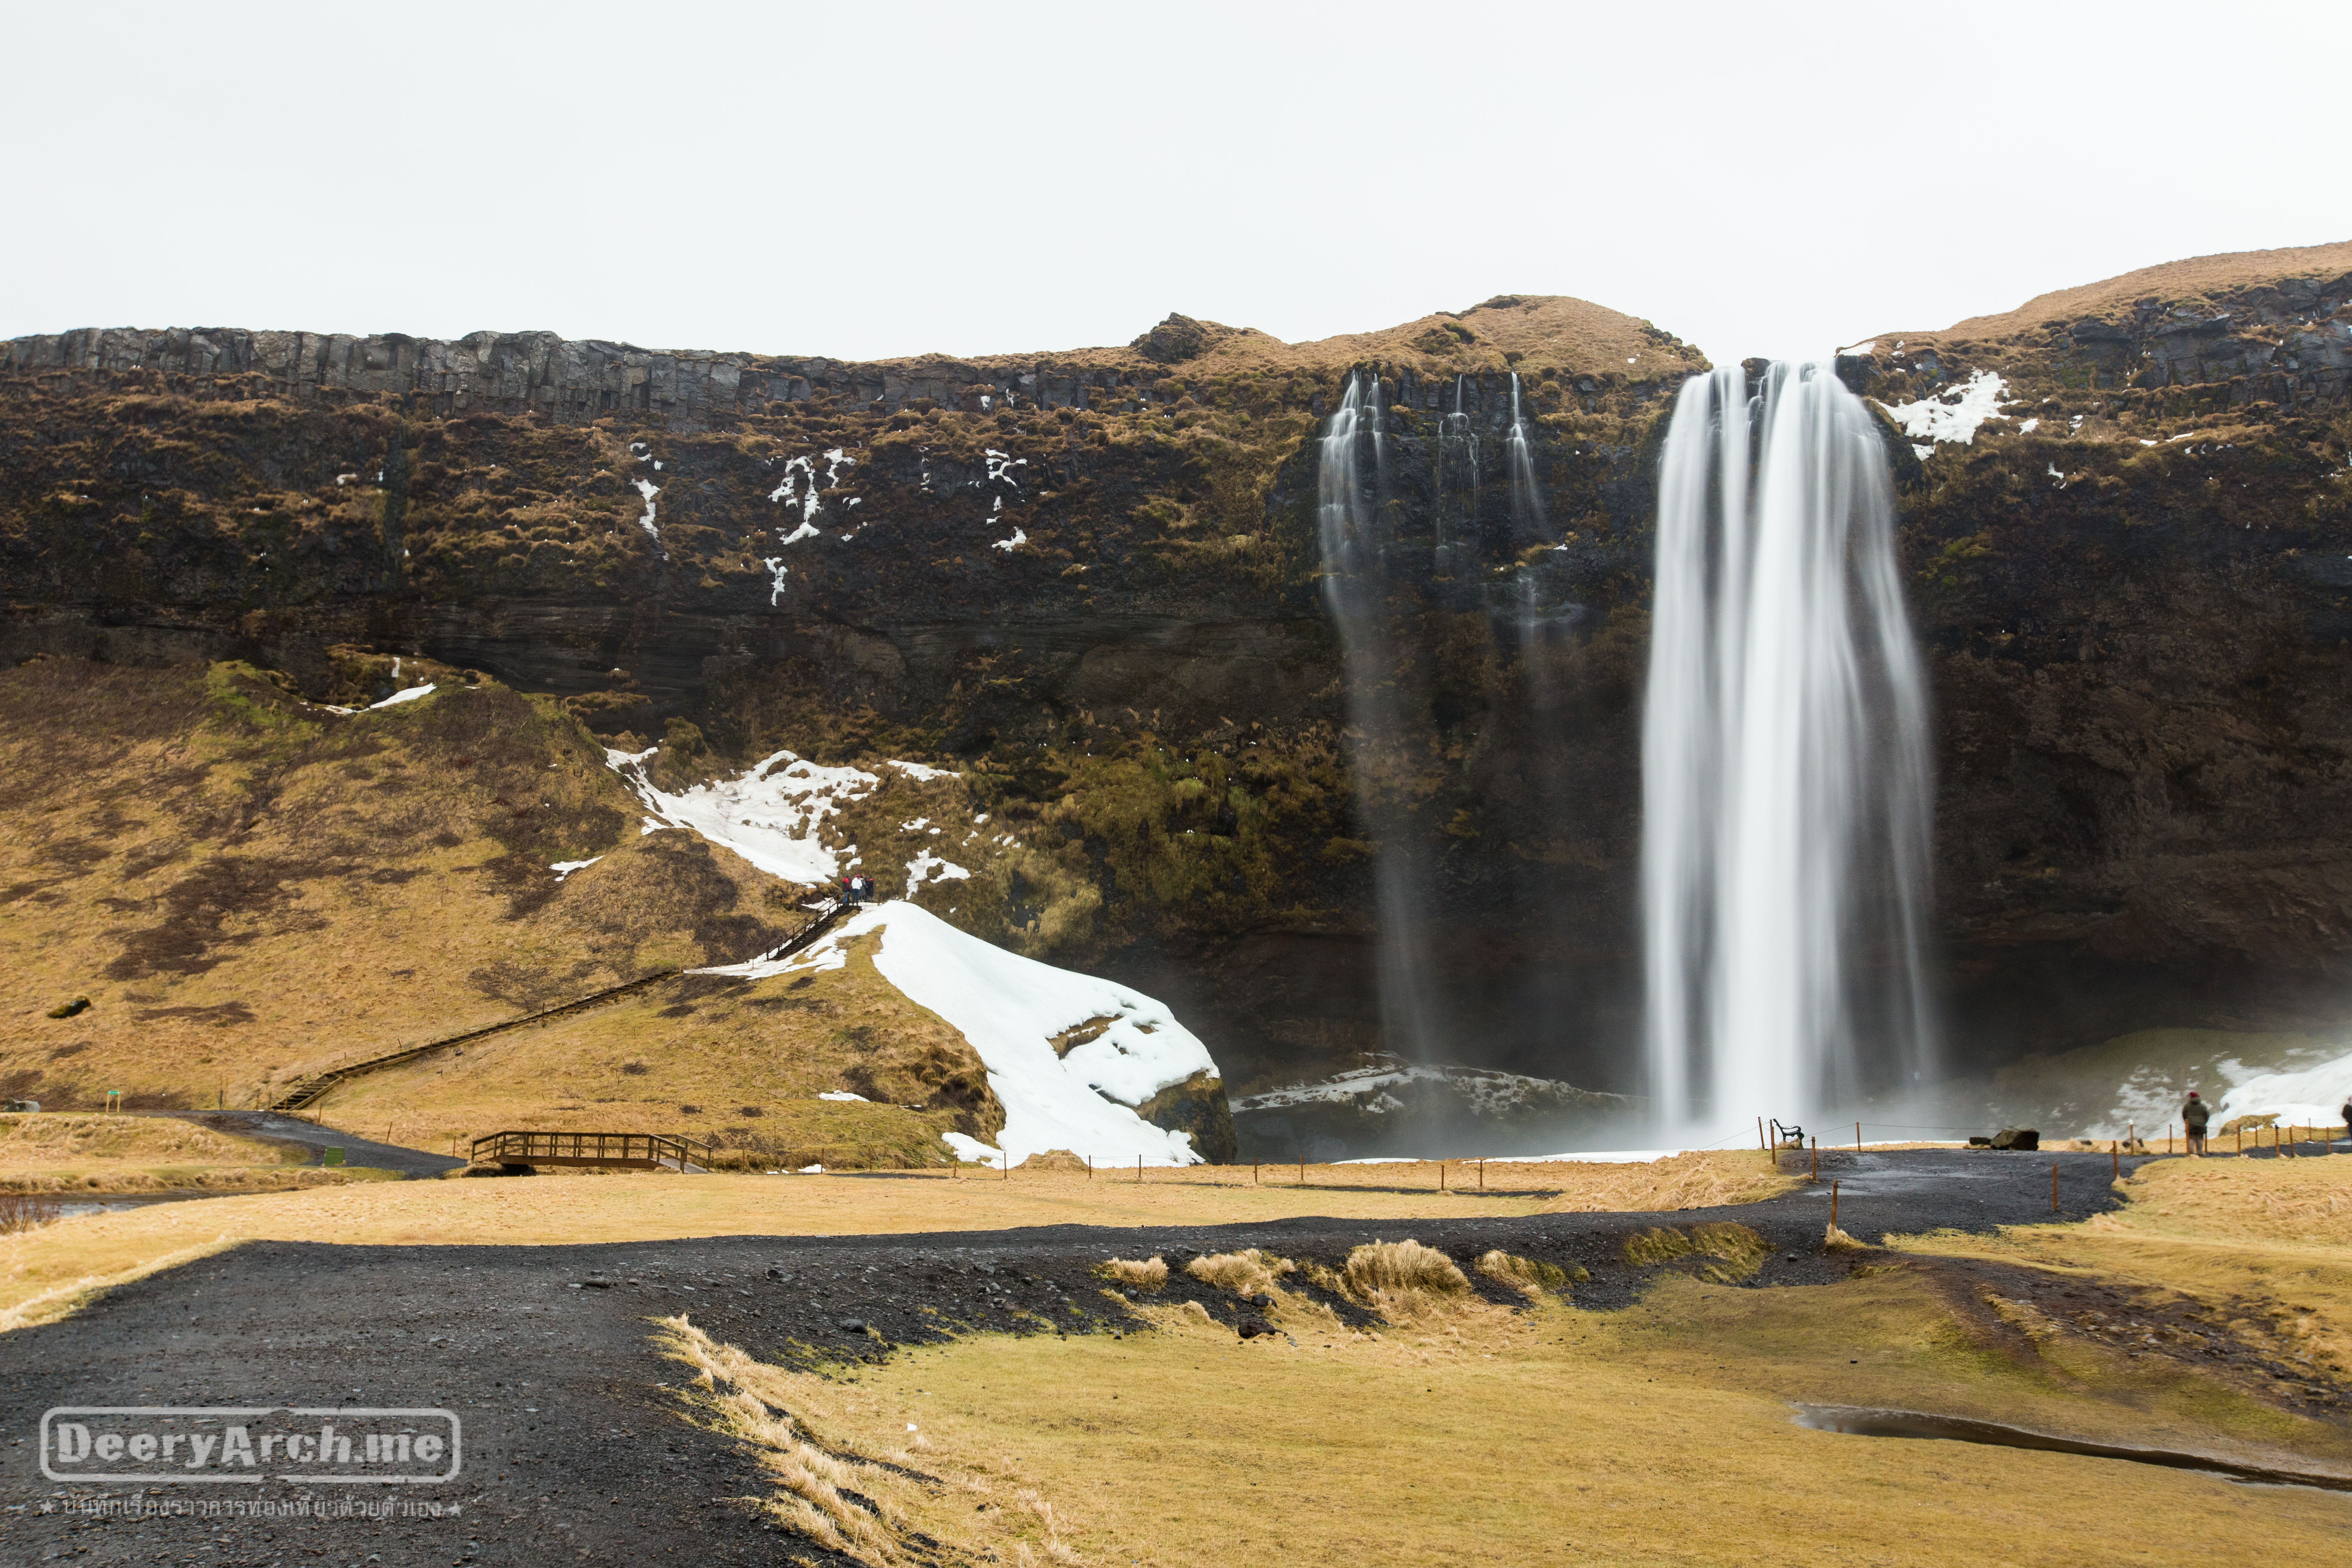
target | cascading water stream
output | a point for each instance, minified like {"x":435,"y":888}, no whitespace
{"x":1356,"y":589}
{"x":1527,"y":499}
{"x":1785,"y":778}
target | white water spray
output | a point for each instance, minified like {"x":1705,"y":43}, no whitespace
{"x":1784,"y":765}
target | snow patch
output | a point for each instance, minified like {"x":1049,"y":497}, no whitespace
{"x":1859,"y":348}
{"x":845,"y":1094}
{"x":648,"y":489}
{"x":1018,"y":538}
{"x":1000,"y":465}
{"x":922,"y":772}
{"x":1954,"y":415}
{"x":777,"y":571}
{"x":564,"y":868}
{"x":397,"y":697}
{"x":771,"y":815}
{"x":1010,"y":1008}
{"x":2030,"y":427}
{"x":968,"y":1148}
{"x":926,"y":865}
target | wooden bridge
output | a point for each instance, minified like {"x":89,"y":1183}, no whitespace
{"x":609,"y":1151}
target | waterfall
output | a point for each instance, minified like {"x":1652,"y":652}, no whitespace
{"x":1527,"y":499}
{"x":1375,"y":663}
{"x":1784,"y":765}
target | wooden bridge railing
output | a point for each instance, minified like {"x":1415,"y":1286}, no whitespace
{"x":624,"y":1150}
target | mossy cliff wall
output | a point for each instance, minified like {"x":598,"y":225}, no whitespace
{"x":2136,"y":590}
{"x":1089,"y":581}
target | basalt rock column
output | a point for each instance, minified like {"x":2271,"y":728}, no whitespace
{"x":1785,"y":780}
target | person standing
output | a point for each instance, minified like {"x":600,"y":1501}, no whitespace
{"x":2193,"y":1117}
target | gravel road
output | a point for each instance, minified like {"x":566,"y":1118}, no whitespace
{"x":574,"y":1451}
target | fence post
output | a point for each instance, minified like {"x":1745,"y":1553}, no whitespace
{"x":1090,"y":1167}
{"x":1302,"y":1170}
{"x":1857,"y":1137}
{"x":2115,"y":1158}
{"x":1139,"y":1169}
{"x":1482,"y":1175}
{"x":1254,"y":1173}
{"x":1441,"y":1175}
{"x":1833,"y":1187}
{"x":1817,"y":1161}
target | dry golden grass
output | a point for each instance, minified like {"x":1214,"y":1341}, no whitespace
{"x":1525,"y":1274}
{"x":50,"y":1140}
{"x":2266,"y":1245}
{"x":45,"y":1275}
{"x":2186,"y":279}
{"x":1136,"y":1273}
{"x":1547,"y":330}
{"x":749,"y":1056}
{"x":64,"y":1153}
{"x":1662,"y":1432}
{"x":1707,"y":1179}
{"x":1248,"y":1273}
{"x":251,"y":889}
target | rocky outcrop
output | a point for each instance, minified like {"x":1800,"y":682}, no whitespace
{"x":2134,"y":581}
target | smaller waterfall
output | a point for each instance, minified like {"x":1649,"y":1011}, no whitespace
{"x":1526,"y":500}
{"x":1375,"y":664}
{"x":1784,"y":766}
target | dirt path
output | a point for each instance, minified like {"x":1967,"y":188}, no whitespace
{"x":356,"y":1150}
{"x":575,"y":1450}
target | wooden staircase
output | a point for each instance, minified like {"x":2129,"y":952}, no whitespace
{"x":823,"y":920}
{"x":306,"y":1091}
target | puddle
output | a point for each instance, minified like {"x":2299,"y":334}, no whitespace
{"x":1861,"y":1423}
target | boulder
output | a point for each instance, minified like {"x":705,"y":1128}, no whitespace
{"x":2023,"y":1139}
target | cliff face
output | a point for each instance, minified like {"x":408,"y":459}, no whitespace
{"x":1088,"y":581}
{"x":2136,"y":584}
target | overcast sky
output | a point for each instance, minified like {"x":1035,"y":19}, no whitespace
{"x":866,"y":181}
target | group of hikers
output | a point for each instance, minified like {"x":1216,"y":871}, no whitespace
{"x":857,"y":888}
{"x":2197,"y":1115}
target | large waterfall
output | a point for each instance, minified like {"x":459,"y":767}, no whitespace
{"x":1784,"y":764}
{"x":1356,"y":586}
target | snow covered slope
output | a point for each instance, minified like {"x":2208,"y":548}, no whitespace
{"x":774,"y":815}
{"x":1010,"y":1008}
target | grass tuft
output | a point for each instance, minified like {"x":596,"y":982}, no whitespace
{"x":1250,"y":1273}
{"x":1136,"y":1274}
{"x":1525,"y":1273}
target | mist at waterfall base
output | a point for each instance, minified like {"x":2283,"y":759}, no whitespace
{"x":1786,"y":788}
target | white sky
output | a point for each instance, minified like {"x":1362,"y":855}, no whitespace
{"x":865,"y":181}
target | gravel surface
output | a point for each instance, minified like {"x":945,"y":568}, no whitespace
{"x":356,"y":1150}
{"x":574,"y":1452}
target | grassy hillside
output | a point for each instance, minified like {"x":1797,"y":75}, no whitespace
{"x":248,"y":887}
